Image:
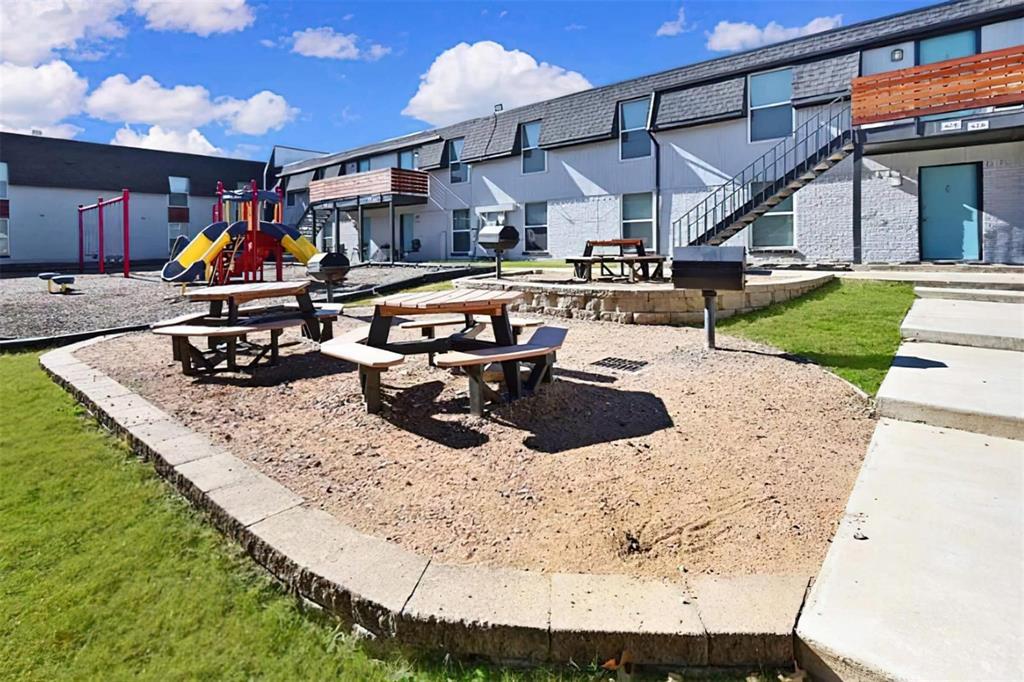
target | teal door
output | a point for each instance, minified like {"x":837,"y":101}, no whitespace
{"x":949,"y":212}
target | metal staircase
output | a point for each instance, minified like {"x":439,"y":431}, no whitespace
{"x":312,"y":221}
{"x":815,"y":146}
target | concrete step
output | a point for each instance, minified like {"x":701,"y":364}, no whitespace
{"x":959,"y":387}
{"x":964,"y":294}
{"x":922,"y":579}
{"x":982,"y":279}
{"x":980,"y":324}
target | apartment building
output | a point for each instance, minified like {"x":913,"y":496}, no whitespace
{"x":893,"y":140}
{"x":44,"y":180}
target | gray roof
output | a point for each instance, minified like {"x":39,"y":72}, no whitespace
{"x":823,"y":64}
{"x":701,"y":103}
{"x":37,"y":161}
{"x":815,"y":80}
{"x":394,"y":144}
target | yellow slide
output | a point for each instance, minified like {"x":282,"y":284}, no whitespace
{"x":291,"y":239}
{"x":192,"y":263}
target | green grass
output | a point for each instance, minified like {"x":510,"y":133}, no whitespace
{"x":435,"y":286}
{"x":105,"y":573}
{"x":852,"y":327}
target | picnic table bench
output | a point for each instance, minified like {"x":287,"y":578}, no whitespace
{"x":636,"y":266}
{"x":227,"y":336}
{"x":466,"y":304}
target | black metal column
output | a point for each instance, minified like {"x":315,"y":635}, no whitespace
{"x":391,"y":220}
{"x":858,"y":169}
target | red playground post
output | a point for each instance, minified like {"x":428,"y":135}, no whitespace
{"x":100,"y":204}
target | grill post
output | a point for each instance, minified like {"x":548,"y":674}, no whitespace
{"x":710,"y":313}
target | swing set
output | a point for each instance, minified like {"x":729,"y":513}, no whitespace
{"x":100,"y":241}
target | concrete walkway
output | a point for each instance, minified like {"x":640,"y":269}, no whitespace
{"x":983,"y":324}
{"x":980,"y":280}
{"x":924,"y":579}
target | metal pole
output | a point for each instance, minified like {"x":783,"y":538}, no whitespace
{"x":391,"y":219}
{"x":81,"y":242}
{"x":127,"y":238}
{"x":497,"y":264}
{"x":99,"y":212}
{"x":710,"y":310}
{"x":254,"y":224}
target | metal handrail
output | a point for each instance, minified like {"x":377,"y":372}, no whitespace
{"x":813,"y":140}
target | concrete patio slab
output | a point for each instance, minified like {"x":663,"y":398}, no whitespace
{"x":982,"y":324}
{"x":750,"y":618}
{"x":595,"y":618}
{"x":973,"y":389}
{"x":923,"y":578}
{"x":1007,"y":281}
{"x":503,"y":613}
{"x":964,"y":294}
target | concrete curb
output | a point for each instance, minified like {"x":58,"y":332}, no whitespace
{"x":36,"y":342}
{"x":504,"y":614}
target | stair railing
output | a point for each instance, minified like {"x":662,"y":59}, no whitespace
{"x":827,"y":130}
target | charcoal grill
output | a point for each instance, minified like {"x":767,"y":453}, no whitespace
{"x":498,"y":238}
{"x":710,"y":269}
{"x":328,"y":268}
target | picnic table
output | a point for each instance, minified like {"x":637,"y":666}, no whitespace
{"x":227,"y":331}
{"x":634,"y":266}
{"x":373,"y":352}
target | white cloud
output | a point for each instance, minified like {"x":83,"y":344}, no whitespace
{"x":325,"y":43}
{"x":674,"y":27}
{"x":731,"y":36}
{"x":468,"y":80}
{"x":181,"y":107}
{"x":261,"y":113}
{"x":575,"y":27}
{"x":191,"y":141}
{"x":41,"y":98}
{"x":31,"y":32}
{"x":267,"y":42}
{"x":202,"y":17}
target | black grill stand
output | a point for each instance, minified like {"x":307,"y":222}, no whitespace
{"x":710,"y":313}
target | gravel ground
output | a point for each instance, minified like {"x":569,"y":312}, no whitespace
{"x":731,"y":462}
{"x":104,"y":301}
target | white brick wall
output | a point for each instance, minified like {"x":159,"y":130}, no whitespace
{"x":889,"y":215}
{"x":1003,"y":203}
{"x":824,"y":216}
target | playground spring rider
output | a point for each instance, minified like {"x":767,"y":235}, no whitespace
{"x":101,"y":254}
{"x":245,"y":257}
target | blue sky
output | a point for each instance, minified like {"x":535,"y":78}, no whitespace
{"x":235,"y":76}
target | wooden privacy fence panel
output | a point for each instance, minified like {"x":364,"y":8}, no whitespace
{"x":369,"y":183}
{"x":983,"y":80}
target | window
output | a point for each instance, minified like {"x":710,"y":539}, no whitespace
{"x":291,"y":198}
{"x":409,"y":159}
{"x":534,"y":158}
{"x":536,"y":227}
{"x":366,"y":236}
{"x":637,"y":217}
{"x":175,"y":230}
{"x":5,"y":223}
{"x":773,"y":230}
{"x":461,"y":232}
{"x":362,"y":165}
{"x":179,"y":189}
{"x":634,"y":140}
{"x":3,"y":180}
{"x":771,"y":113}
{"x":457,"y":170}
{"x":1002,"y":35}
{"x":405,"y":228}
{"x":5,"y":238}
{"x":328,"y":238}
{"x":951,"y":46}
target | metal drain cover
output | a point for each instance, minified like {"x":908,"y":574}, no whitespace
{"x":621,"y":364}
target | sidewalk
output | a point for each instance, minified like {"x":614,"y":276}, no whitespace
{"x":924,"y":576}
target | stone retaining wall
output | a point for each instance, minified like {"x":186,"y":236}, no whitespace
{"x":645,"y":303}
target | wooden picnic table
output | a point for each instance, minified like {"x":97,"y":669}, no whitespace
{"x":636,"y":244}
{"x":468,"y":302}
{"x":236,"y":294}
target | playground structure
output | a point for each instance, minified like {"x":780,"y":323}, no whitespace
{"x":99,"y":207}
{"x":238,"y":242}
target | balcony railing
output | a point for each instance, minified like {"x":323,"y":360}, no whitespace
{"x":383,"y":181}
{"x":983,"y":80}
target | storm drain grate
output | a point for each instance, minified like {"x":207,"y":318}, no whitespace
{"x":621,"y":364}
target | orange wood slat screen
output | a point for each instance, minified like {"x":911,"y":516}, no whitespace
{"x":368,"y":183}
{"x":988,"y":79}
